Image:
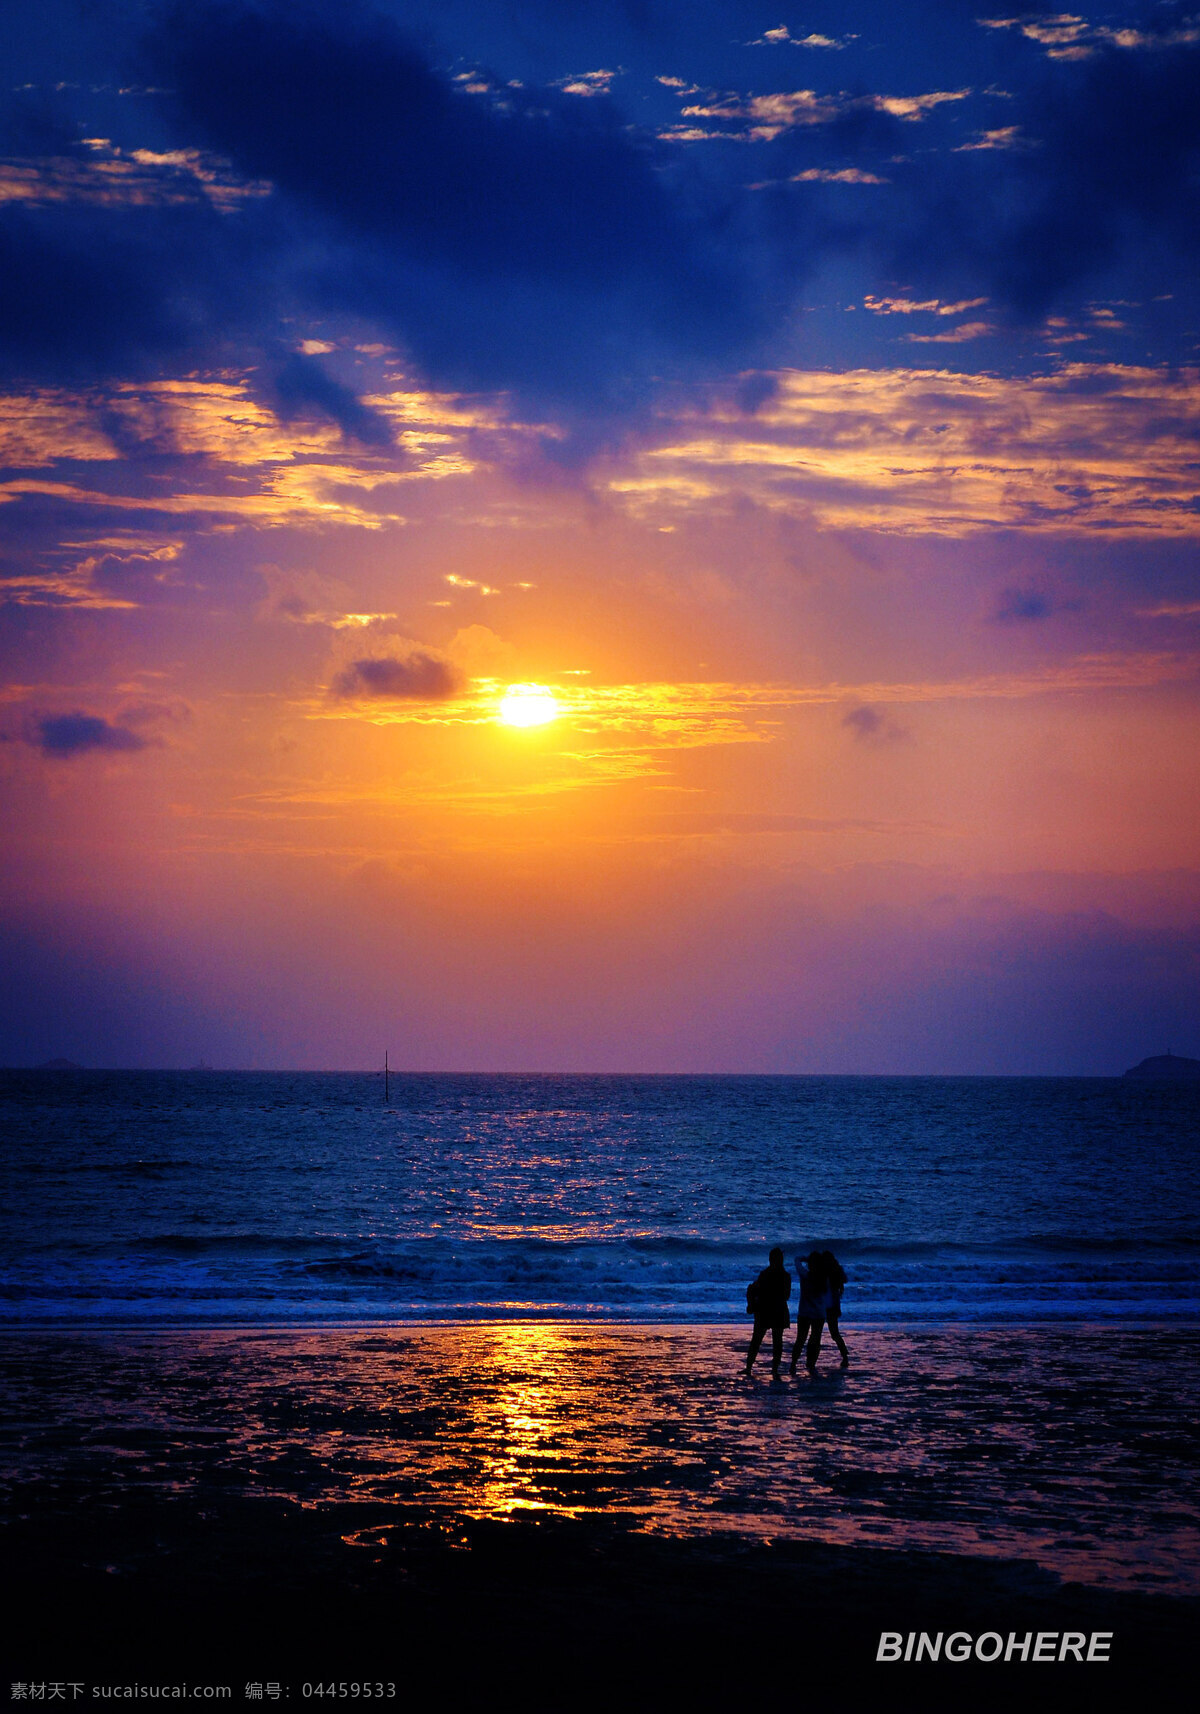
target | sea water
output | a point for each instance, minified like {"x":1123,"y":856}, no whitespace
{"x":267,"y":1198}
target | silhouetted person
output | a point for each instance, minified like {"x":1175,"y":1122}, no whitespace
{"x":768,"y":1297}
{"x":821,"y":1281}
{"x":810,"y":1310}
{"x":835,"y":1280}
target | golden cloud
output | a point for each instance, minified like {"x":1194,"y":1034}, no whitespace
{"x":765,"y":117}
{"x":686,"y":714}
{"x":112,"y":178}
{"x":918,"y":451}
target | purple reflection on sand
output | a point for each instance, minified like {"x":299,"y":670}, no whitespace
{"x":1062,"y":1447}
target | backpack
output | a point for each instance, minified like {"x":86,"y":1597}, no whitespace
{"x":752,"y":1291}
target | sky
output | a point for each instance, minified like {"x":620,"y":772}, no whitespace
{"x":796,"y":404}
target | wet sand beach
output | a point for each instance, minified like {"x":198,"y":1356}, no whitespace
{"x":292,"y":1505}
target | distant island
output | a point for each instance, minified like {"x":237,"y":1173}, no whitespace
{"x":58,"y":1065}
{"x":1172,"y":1066}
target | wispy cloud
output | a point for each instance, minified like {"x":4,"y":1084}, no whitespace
{"x":1002,"y":137}
{"x":665,"y":715}
{"x":611,"y":734}
{"x":959,"y":335}
{"x":781,"y":36}
{"x":90,"y":582}
{"x":1069,"y":36}
{"x":230,"y":455}
{"x":306,"y":495}
{"x":220,"y":420}
{"x":458,"y":582}
{"x":587,"y":83}
{"x":830,"y":175}
{"x":309,"y":598}
{"x":762,"y":118}
{"x":108,"y":177}
{"x":911,"y":306}
{"x":1088,"y":448}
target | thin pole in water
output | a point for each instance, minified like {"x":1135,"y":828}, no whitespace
{"x":386,"y":1095}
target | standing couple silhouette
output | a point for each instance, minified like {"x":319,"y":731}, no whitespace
{"x":821,"y":1279}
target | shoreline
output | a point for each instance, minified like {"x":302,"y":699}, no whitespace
{"x":947,"y":1325}
{"x":301,"y":1502}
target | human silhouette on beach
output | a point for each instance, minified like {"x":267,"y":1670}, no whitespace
{"x":767,"y":1298}
{"x":821,"y":1279}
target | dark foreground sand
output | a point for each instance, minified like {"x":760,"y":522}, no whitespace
{"x":586,"y":1512}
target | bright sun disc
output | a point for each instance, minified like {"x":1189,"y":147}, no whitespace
{"x":528,"y":705}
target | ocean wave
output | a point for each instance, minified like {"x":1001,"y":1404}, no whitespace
{"x":274,"y":1197}
{"x":660,"y":1279}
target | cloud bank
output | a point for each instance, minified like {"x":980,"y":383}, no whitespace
{"x":531,"y":240}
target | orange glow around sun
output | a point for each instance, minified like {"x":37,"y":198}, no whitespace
{"x":528,"y":705}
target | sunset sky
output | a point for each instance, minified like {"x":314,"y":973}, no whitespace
{"x":802,"y":398}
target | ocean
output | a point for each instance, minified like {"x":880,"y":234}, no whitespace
{"x":279,"y":1198}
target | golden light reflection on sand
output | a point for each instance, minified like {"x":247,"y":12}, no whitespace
{"x":524,"y":1410}
{"x":963,"y":1440}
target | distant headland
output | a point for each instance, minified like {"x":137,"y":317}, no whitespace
{"x":1172,"y":1066}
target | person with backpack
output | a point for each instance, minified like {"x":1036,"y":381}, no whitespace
{"x":767,"y":1301}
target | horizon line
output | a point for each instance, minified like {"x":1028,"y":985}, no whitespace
{"x":394,"y":1072}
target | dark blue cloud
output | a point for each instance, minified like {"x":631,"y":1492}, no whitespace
{"x":520,"y":239}
{"x":302,"y":388}
{"x":420,"y":676}
{"x":87,"y":293}
{"x":864,"y":722}
{"x":63,"y":735}
{"x":869,"y":726}
{"x":1029,"y":605}
{"x":1106,"y":165}
{"x":1023,"y":604}
{"x":755,"y":391}
{"x":524,"y":239}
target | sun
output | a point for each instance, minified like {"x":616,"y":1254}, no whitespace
{"x":528,"y":705}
